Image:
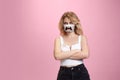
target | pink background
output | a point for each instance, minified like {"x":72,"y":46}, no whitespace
{"x":28,"y":29}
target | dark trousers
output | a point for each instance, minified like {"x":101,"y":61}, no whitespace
{"x":79,"y":72}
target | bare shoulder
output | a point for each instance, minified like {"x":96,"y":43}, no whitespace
{"x":84,"y":37}
{"x":57,"y":39}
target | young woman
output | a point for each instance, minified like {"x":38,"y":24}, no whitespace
{"x":71,"y":48}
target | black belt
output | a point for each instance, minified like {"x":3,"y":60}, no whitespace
{"x":71,"y":68}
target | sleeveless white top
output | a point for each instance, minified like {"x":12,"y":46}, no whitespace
{"x":70,"y":62}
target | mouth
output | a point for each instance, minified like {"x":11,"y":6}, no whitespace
{"x":68,"y":28}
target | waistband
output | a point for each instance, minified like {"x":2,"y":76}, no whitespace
{"x":71,"y":68}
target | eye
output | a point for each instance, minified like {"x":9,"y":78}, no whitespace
{"x":71,"y":23}
{"x":65,"y":22}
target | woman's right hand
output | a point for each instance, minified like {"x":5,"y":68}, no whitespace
{"x":75,"y":51}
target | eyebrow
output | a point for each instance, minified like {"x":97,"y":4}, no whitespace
{"x":67,"y":22}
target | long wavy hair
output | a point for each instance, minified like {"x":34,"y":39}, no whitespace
{"x":74,"y":19}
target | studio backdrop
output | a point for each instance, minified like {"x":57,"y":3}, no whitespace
{"x":28,"y":29}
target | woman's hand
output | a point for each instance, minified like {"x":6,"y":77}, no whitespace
{"x":75,"y":51}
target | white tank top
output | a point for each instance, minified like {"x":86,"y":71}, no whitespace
{"x":70,"y":62}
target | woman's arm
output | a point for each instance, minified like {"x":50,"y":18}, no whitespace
{"x":84,"y":53}
{"x":58,"y":54}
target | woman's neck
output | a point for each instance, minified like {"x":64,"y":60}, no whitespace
{"x":71,"y":35}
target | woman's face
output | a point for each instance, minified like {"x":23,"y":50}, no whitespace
{"x":68,"y":25}
{"x":67,"y":21}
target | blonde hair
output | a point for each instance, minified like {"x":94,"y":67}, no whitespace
{"x":74,"y":19}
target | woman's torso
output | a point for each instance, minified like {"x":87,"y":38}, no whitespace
{"x":65,"y":47}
